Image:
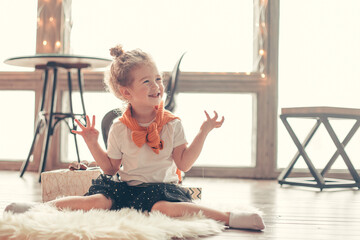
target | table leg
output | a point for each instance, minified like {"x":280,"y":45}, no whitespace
{"x":40,"y":123}
{"x":49,"y":130}
{"x":37,"y":132}
{"x":81,"y":84}
{"x":46,"y":76}
{"x":72,"y":115}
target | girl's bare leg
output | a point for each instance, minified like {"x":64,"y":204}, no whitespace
{"x":235,"y":220}
{"x":96,"y":201}
{"x":178,"y":209}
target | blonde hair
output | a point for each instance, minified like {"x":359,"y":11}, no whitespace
{"x":119,"y":74}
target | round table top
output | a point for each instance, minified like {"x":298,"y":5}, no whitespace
{"x":65,"y":59}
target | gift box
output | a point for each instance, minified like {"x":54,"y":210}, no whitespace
{"x":195,"y":192}
{"x":65,"y":182}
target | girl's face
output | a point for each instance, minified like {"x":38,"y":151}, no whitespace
{"x":147,"y":88}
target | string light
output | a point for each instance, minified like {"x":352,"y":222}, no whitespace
{"x":44,"y":42}
{"x":39,"y":22}
{"x":263,"y":75}
{"x":51,"y":19}
{"x":261,"y":52}
{"x":58,"y":44}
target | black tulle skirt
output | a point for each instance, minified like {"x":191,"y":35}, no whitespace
{"x":141,"y":197}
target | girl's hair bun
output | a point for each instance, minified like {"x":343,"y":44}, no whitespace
{"x":117,"y":51}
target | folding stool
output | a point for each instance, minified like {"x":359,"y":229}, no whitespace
{"x":322,"y":116}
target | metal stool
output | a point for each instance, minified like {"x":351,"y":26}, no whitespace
{"x":322,"y":116}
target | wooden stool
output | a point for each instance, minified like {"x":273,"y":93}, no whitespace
{"x":322,"y":116}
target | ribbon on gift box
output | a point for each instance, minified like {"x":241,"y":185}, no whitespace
{"x":83,"y":165}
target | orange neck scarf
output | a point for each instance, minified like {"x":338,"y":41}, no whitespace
{"x":150,"y":135}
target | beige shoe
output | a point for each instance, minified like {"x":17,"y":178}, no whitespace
{"x":19,"y":207}
{"x":246,"y":220}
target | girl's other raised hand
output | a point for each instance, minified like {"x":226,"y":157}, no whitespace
{"x":88,"y":132}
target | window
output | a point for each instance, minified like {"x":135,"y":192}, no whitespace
{"x":18,"y":31}
{"x":217,"y":35}
{"x":224,"y":67}
{"x":230,"y":146}
{"x":17,"y":127}
{"x":226,"y":45}
{"x":323,"y":71}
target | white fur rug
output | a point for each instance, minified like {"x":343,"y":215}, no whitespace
{"x":45,"y":222}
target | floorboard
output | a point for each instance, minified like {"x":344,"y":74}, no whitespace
{"x":289,"y":212}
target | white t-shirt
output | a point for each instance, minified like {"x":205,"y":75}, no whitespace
{"x":142,"y":165}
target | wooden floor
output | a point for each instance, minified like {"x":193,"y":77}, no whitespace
{"x":290,"y":212}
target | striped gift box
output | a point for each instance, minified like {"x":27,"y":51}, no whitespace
{"x":195,"y":192}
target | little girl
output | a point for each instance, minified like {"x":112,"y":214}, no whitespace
{"x":148,"y":143}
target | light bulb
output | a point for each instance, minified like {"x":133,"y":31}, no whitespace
{"x":261,"y":52}
{"x":58,"y":44}
{"x":39,"y":22}
{"x":263,"y":75}
{"x":44,"y":42}
{"x":51,"y":19}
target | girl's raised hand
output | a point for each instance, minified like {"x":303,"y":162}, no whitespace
{"x":211,"y":123}
{"x":89,"y":133}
